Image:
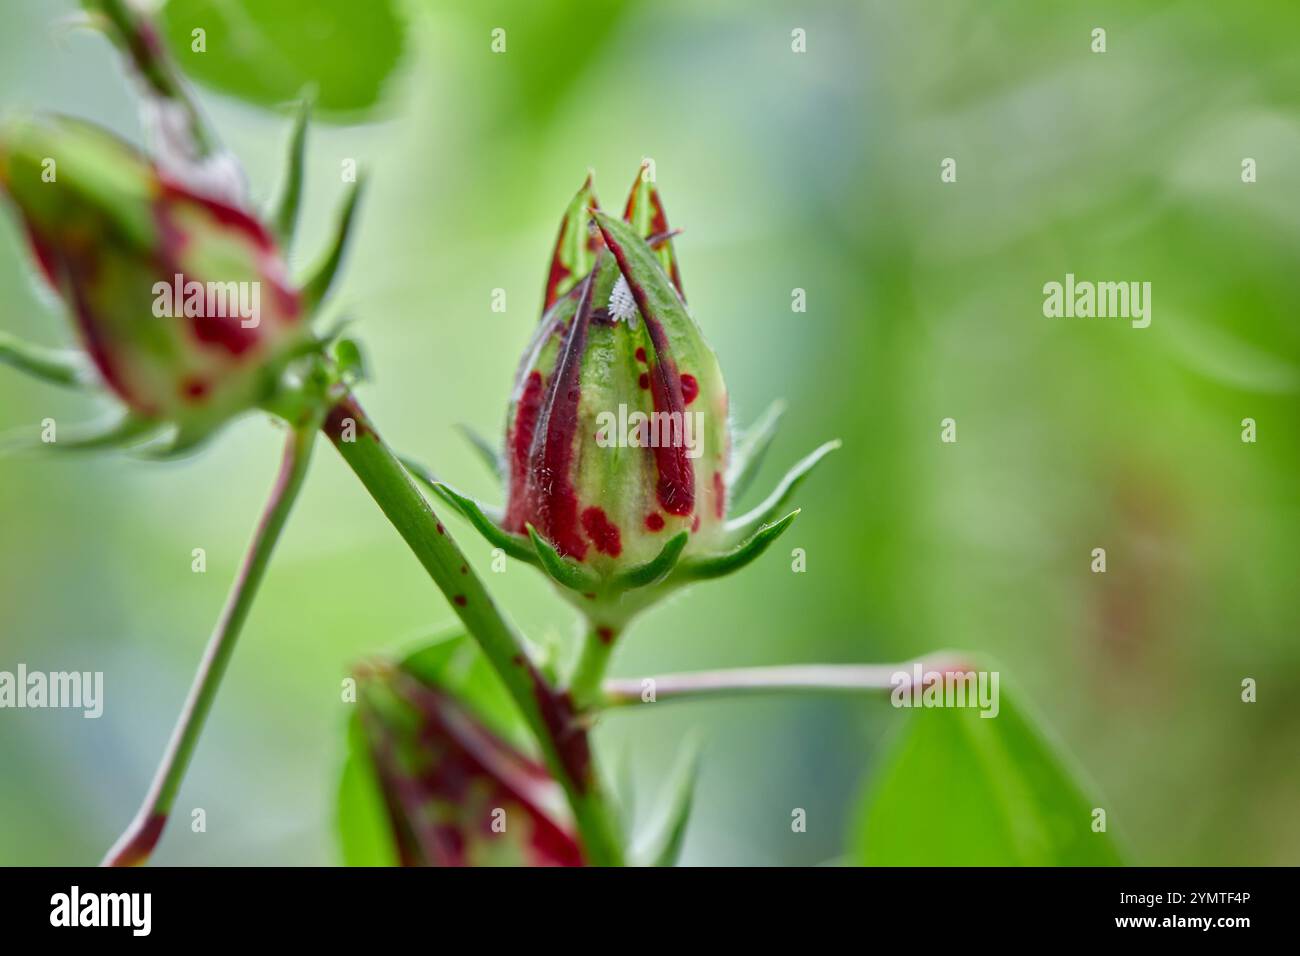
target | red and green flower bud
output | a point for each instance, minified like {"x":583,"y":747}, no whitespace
{"x":617,"y":435}
{"x":182,"y":301}
{"x":456,"y":794}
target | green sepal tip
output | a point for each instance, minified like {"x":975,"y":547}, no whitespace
{"x":716,"y":566}
{"x":322,"y":277}
{"x":563,"y":572}
{"x":657,"y":568}
{"x":65,"y":367}
{"x":750,"y":448}
{"x":661,"y":844}
{"x":746,"y":524}
{"x":282,"y":214}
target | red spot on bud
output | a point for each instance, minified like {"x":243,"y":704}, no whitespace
{"x":194,"y":389}
{"x":606,"y":634}
{"x":719,"y":495}
{"x":690,"y":388}
{"x":644,"y":380}
{"x":602,"y":532}
{"x":654,"y":521}
{"x":640,"y":354}
{"x":460,"y":600}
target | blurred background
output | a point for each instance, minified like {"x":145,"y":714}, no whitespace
{"x":817,"y":170}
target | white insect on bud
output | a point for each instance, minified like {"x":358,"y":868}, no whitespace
{"x":622,"y":307}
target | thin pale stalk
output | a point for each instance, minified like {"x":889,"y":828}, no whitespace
{"x":135,"y":845}
{"x":747,"y":681}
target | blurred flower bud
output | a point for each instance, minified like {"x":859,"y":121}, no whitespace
{"x":181,"y":301}
{"x":455,"y":792}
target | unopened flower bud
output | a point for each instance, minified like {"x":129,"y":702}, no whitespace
{"x":456,"y":793}
{"x":617,"y":431}
{"x":182,"y":301}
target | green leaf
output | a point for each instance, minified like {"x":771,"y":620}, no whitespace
{"x":268,"y":51}
{"x":964,"y":790}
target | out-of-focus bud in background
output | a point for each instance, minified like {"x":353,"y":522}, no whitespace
{"x":182,"y":301}
{"x":455,"y":792}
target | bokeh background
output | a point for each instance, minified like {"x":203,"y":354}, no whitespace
{"x":817,"y":171}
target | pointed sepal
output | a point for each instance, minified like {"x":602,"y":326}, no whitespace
{"x":750,"y":448}
{"x":644,"y":212}
{"x":126,"y":432}
{"x":513,"y":545}
{"x":661,"y":844}
{"x":657,"y":568}
{"x":282,"y":215}
{"x":575,"y":247}
{"x":719,"y":565}
{"x":182,"y":441}
{"x":563,"y":572}
{"x":323,"y":275}
{"x":66,"y":367}
{"x":489,"y":453}
{"x":748,"y":523}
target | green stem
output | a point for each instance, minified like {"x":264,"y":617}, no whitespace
{"x":744,"y":681}
{"x":584,"y":683}
{"x":138,"y":36}
{"x":549,"y":713}
{"x":136,"y":844}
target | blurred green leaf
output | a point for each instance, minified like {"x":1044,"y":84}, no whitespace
{"x":964,"y":790}
{"x":365,"y":838}
{"x":269,"y":51}
{"x":546,"y":50}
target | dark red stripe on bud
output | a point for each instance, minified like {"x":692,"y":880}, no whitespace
{"x":676,"y":485}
